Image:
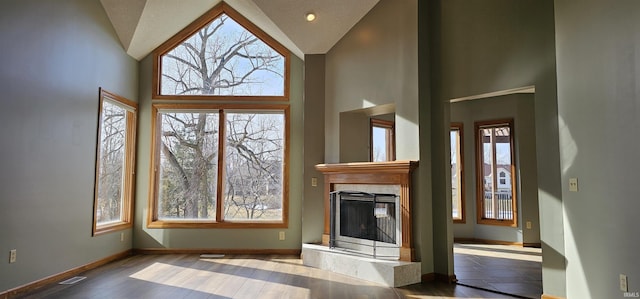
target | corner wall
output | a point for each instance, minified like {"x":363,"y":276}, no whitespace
{"x":313,"y":205}
{"x":598,"y":52}
{"x":55,"y":56}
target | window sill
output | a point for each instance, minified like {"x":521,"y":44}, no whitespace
{"x":213,"y":224}
{"x":111,"y":227}
{"x":510,"y":223}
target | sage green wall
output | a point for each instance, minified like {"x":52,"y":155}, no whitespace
{"x":55,"y":56}
{"x":313,"y":208}
{"x":354,"y":137}
{"x":598,"y":52}
{"x":374,"y":64}
{"x":520,"y":108}
{"x":482,"y":46}
{"x":214,"y":238}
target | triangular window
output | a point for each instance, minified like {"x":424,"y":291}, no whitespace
{"x":221,"y":55}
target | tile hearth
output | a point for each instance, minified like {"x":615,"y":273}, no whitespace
{"x":392,"y":273}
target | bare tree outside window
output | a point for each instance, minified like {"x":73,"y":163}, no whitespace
{"x":188,"y":165}
{"x":220,"y":162}
{"x":254,"y":155}
{"x":254,"y":158}
{"x":111,"y":161}
{"x":115,"y":160}
{"x":223,"y":58}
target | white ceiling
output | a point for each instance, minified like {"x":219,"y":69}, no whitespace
{"x":143,"y":25}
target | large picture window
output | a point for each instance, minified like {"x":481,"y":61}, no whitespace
{"x":114,"y":164}
{"x":221,"y":55}
{"x":220,"y":166}
{"x":496,"y":193}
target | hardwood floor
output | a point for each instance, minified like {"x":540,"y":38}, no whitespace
{"x":189,"y":276}
{"x":508,"y":269}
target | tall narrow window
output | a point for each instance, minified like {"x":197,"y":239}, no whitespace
{"x":114,"y":164}
{"x":496,"y":191}
{"x":382,"y":141}
{"x":457,"y":174}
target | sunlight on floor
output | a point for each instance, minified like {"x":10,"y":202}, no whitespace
{"x":501,"y":251}
{"x":205,"y":281}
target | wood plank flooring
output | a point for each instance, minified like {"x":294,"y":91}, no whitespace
{"x":189,"y":276}
{"x":508,"y":269}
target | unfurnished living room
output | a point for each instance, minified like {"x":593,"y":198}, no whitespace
{"x":319,"y":149}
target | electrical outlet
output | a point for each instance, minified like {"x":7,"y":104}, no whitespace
{"x":13,"y":255}
{"x":623,"y":283}
{"x":121,"y":237}
{"x":281,"y":236}
{"x":314,"y":182}
{"x":528,"y":224}
{"x":573,"y":184}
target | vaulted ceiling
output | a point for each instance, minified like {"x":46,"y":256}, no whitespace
{"x":142,"y":25}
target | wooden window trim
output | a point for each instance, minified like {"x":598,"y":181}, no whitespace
{"x":459,"y":127}
{"x":152,"y":214}
{"x":391,"y":146}
{"x":194,"y":27}
{"x":480,"y":176}
{"x":129,"y":171}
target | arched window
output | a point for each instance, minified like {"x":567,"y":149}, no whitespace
{"x":220,"y":164}
{"x":221,"y":55}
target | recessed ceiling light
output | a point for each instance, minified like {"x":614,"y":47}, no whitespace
{"x":310,"y":17}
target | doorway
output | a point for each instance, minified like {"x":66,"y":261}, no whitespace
{"x":493,"y":240}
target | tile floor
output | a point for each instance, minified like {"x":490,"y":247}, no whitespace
{"x":506,"y":269}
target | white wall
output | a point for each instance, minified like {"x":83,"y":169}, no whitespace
{"x":54,"y":57}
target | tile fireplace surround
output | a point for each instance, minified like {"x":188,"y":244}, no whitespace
{"x":394,"y":174}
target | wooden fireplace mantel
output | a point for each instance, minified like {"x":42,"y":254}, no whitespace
{"x":374,"y":173}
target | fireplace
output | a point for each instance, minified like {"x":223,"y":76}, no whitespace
{"x":392,"y":179}
{"x":365,"y":223}
{"x":370,"y":235}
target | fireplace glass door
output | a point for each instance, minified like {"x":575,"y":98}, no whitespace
{"x":365,"y":222}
